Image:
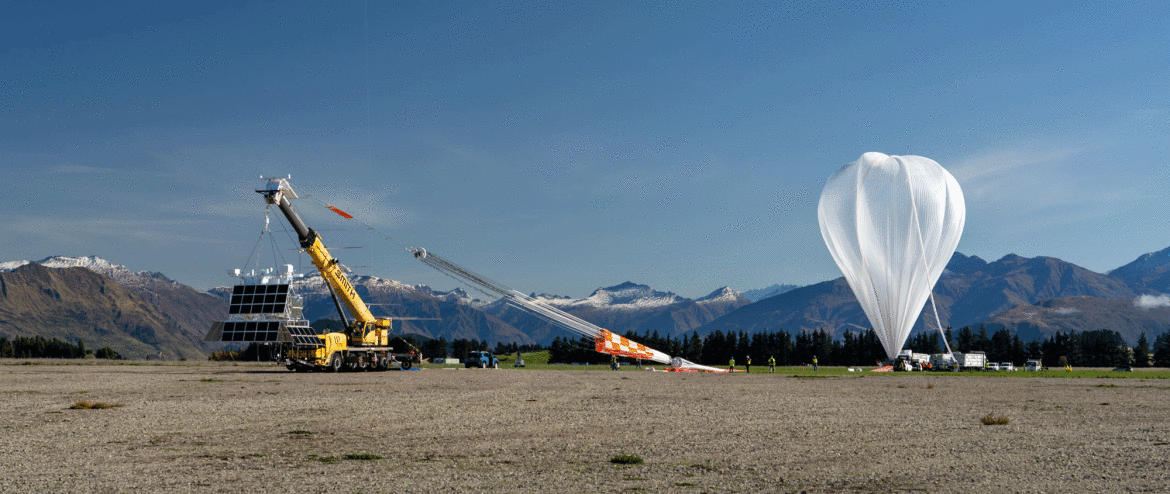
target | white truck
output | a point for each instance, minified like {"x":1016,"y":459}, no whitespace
{"x":914,"y":361}
{"x":942,"y":362}
{"x":970,"y":360}
{"x":1033,"y":365}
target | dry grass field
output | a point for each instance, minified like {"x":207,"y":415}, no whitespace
{"x":258,"y":428}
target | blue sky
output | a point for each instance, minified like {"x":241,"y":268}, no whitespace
{"x":562,"y":147}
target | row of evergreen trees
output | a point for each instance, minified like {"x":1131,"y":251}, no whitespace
{"x":460,"y":348}
{"x":39,"y":347}
{"x":1102,"y":348}
{"x":856,"y":348}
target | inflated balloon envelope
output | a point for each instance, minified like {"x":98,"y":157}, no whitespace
{"x":892,"y":224}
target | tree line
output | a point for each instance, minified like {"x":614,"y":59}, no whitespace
{"x":39,"y":347}
{"x":718,"y":348}
{"x":1101,"y":348}
{"x":460,"y":348}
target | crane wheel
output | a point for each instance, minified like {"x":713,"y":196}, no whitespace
{"x":335,"y":363}
{"x":382,"y":364}
{"x":362,"y":365}
{"x":406,"y":365}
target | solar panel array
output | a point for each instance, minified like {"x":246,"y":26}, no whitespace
{"x":304,"y":336}
{"x":250,"y":331}
{"x":258,"y":299}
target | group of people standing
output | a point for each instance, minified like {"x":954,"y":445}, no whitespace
{"x":771,"y":364}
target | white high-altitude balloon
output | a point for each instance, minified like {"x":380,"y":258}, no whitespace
{"x":892,"y":224}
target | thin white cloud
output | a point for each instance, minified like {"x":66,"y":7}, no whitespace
{"x":1055,"y":184}
{"x":143,"y":232}
{"x":78,"y":170}
{"x":1152,"y":301}
{"x":1036,"y":175}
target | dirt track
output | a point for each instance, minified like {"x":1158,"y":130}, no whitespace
{"x":217,"y":428}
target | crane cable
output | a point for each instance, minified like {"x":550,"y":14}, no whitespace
{"x":606,"y":341}
{"x":352,"y":218}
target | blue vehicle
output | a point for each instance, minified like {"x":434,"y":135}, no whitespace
{"x":482,"y":360}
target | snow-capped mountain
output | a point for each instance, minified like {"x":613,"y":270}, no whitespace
{"x":92,"y":263}
{"x":772,"y":291}
{"x":626,"y":296}
{"x":312,"y":284}
{"x":140,"y":314}
{"x":1148,"y":273}
{"x":721,"y":295}
{"x":117,"y":272}
{"x":452,"y":315}
{"x":628,"y":307}
{"x":458,"y":295}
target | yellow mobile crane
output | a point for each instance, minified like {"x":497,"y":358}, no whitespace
{"x":365,"y":342}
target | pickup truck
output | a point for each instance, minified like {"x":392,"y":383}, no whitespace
{"x":482,"y":360}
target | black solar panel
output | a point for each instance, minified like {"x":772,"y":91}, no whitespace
{"x":304,"y":336}
{"x":258,"y":299}
{"x":250,"y":331}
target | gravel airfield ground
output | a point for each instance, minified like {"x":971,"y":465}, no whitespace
{"x":209,"y":427}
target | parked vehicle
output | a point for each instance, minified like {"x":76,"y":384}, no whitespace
{"x":992,"y":366}
{"x":1123,"y":368}
{"x":1033,"y":365}
{"x":1007,"y":366}
{"x":482,"y":360}
{"x":943,"y":362}
{"x":970,"y":360}
{"x":518,"y":363}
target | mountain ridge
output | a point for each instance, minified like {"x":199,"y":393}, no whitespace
{"x":75,"y":303}
{"x":970,"y":291}
{"x":1037,"y":295}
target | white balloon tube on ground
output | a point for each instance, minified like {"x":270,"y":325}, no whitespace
{"x":604,"y":340}
{"x":892,"y":224}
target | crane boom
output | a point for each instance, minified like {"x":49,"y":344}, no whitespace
{"x":365,"y":328}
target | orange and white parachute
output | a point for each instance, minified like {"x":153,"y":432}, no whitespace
{"x":610,"y":343}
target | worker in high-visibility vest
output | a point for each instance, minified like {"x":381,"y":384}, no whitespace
{"x":814,"y":362}
{"x":749,"y":364}
{"x":731,"y":365}
{"x":772,"y":364}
